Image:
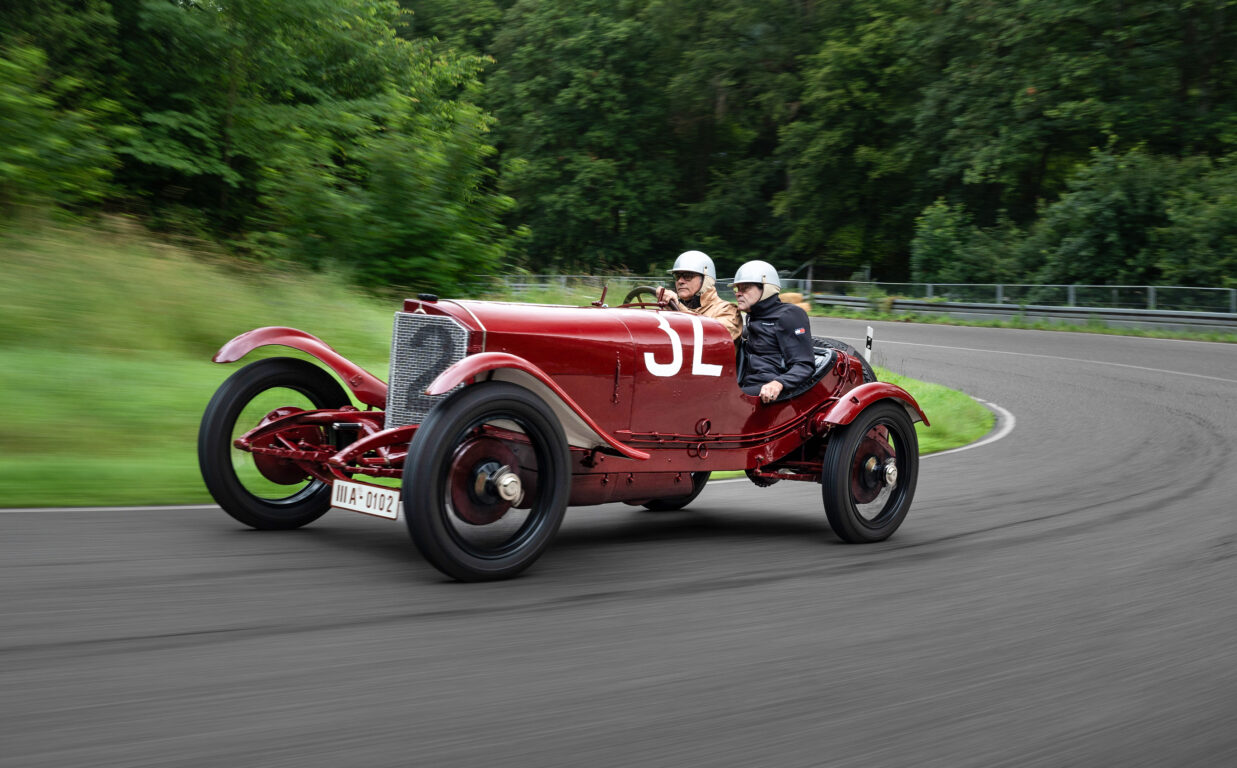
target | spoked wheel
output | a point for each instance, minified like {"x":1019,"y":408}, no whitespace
{"x":678,"y":502}
{"x":486,"y":482}
{"x":261,"y":491}
{"x":870,"y":470}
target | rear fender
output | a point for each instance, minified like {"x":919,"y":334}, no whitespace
{"x":581,"y":430}
{"x":368,"y":388}
{"x":848,"y":407}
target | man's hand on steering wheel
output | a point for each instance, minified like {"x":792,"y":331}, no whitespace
{"x":667,"y":297}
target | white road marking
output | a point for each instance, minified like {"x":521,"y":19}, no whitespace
{"x":1006,"y":420}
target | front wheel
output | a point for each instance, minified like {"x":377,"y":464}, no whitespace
{"x":869,"y":475}
{"x":261,"y":492}
{"x":486,"y":482}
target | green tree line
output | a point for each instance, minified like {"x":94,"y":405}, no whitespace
{"x":951,"y":140}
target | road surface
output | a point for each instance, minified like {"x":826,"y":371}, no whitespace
{"x":1066,"y":595}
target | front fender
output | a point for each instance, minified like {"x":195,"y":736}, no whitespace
{"x":368,"y":388}
{"x":578,"y":425}
{"x":854,"y":401}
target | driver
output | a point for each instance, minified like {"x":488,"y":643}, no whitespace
{"x":695,"y":291}
{"x":777,"y":337}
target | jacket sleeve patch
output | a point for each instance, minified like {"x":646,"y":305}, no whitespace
{"x":800,"y":331}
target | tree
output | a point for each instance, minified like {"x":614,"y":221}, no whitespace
{"x":734,"y":84}
{"x":581,"y":125}
{"x":853,"y":192}
{"x":1198,"y":243}
{"x":309,"y":129}
{"x":46,"y":152}
{"x":1101,"y":230}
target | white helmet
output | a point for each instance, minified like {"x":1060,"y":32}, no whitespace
{"x":758,"y":272}
{"x":694,"y":261}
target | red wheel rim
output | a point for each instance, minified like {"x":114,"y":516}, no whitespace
{"x":474,"y":461}
{"x":280,"y":470}
{"x":868,"y":467}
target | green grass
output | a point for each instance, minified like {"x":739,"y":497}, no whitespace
{"x":106,"y":337}
{"x":957,"y":419}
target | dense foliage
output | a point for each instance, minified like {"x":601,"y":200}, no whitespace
{"x":296,"y":128}
{"x":954,"y":140}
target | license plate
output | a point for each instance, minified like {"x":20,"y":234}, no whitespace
{"x":369,"y":499}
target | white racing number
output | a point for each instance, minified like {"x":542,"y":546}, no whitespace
{"x":699,"y":367}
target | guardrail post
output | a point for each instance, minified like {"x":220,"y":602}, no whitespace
{"x":1150,"y":297}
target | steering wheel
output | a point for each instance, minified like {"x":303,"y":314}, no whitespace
{"x":640,"y":290}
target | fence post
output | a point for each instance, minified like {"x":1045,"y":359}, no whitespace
{"x":1150,"y":297}
{"x":1000,"y":293}
{"x":930,"y":291}
{"x":1069,"y":295}
{"x":1232,"y":300}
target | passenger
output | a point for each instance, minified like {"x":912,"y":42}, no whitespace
{"x":695,"y":284}
{"x":777,"y":337}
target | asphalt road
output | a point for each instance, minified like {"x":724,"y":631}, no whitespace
{"x":1064,"y":596}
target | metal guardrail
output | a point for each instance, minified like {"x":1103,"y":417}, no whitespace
{"x":1114,"y":316}
{"x":1146,"y":306}
{"x":1150,"y":297}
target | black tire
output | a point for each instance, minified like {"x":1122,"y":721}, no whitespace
{"x":454,"y":516}
{"x":237,"y":407}
{"x":861,"y":506}
{"x":678,"y":502}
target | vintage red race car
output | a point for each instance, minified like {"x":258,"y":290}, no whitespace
{"x":498,"y":416}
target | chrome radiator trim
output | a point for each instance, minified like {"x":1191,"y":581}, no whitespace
{"x":422,"y":346}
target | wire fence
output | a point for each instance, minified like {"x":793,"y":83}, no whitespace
{"x":1150,"y":297}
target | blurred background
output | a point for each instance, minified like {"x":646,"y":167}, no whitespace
{"x":175,"y":172}
{"x":425,"y":141}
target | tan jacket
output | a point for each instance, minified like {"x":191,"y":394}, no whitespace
{"x":714,"y":306}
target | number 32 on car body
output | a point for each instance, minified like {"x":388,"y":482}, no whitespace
{"x":699,"y":367}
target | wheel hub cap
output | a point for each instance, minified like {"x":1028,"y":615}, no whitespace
{"x":891,"y":473}
{"x":483,"y":481}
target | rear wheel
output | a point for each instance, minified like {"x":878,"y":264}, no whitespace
{"x":259,"y":491}
{"x":869,"y":475}
{"x":678,"y":502}
{"x":486,"y":482}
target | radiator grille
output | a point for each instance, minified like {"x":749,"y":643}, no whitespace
{"x":422,"y":346}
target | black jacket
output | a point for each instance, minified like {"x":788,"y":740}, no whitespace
{"x":778,"y":345}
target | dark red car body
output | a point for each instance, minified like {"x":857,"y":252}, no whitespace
{"x":647,"y":400}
